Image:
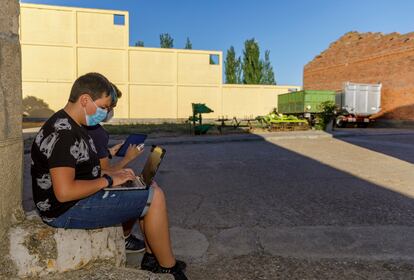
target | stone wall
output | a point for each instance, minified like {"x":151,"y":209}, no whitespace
{"x":11,"y":143}
{"x":369,"y":58}
{"x":37,"y":249}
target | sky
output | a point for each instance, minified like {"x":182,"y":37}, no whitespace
{"x":295,"y":31}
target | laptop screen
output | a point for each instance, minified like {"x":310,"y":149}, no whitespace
{"x":152,"y":164}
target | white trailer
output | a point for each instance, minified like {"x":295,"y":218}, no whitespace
{"x":357,"y":103}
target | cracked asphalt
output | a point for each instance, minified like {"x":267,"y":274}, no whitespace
{"x":322,"y":208}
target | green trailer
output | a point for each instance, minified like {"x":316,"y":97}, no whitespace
{"x":303,"y":103}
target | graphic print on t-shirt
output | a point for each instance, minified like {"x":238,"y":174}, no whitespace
{"x":39,"y":138}
{"x":80,"y":151}
{"x":62,"y":124}
{"x":43,"y":205}
{"x":49,"y":143}
{"x":95,"y":171}
{"x":92,"y":145}
{"x":48,"y":220}
{"x":44,"y":182}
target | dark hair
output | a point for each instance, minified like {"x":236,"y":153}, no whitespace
{"x":94,"y":84}
{"x":117,"y":94}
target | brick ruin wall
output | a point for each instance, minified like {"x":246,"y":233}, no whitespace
{"x":369,"y":58}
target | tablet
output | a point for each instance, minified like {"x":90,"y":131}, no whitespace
{"x":134,"y":139}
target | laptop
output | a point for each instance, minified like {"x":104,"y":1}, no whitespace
{"x":144,"y":180}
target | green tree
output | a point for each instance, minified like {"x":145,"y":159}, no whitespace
{"x":188,"y":44}
{"x":328,"y":109}
{"x":233,"y":69}
{"x":139,"y":43}
{"x":166,"y":41}
{"x":230,"y":66}
{"x":252,"y":65}
{"x":239,"y":71}
{"x":268,"y":76}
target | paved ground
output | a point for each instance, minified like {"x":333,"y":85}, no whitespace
{"x":300,"y":208}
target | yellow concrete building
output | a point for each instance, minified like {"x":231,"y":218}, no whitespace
{"x":61,"y":43}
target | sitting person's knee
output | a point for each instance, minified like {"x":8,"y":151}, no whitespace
{"x":158,"y":195}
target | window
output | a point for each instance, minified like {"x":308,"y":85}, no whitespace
{"x":119,"y":19}
{"x":214,"y":59}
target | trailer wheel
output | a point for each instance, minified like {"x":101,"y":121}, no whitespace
{"x":340,"y":122}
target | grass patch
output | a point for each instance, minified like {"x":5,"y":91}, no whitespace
{"x":164,"y":129}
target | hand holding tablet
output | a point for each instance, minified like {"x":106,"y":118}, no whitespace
{"x":133,"y":139}
{"x":140,"y":147}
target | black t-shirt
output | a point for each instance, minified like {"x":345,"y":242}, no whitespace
{"x":61,"y":142}
{"x":101,"y":139}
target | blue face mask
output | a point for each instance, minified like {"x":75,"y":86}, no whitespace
{"x":96,"y":118}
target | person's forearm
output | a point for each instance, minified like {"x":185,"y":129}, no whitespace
{"x":122,"y":163}
{"x":116,"y":166}
{"x":81,"y":189}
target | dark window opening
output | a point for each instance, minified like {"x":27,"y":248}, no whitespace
{"x":119,"y":19}
{"x":214,"y":59}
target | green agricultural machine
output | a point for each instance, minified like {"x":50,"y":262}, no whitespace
{"x":198,"y":109}
{"x":304,"y":103}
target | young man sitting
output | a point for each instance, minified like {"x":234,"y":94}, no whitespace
{"x":68,"y":183}
{"x":100,"y":138}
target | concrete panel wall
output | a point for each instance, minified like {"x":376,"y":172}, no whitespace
{"x":47,"y":63}
{"x":246,"y":101}
{"x":47,"y":26}
{"x":151,"y":101}
{"x":11,"y":144}
{"x":156,"y":83}
{"x":149,"y":66}
{"x":211,"y":96}
{"x":56,"y":94}
{"x":122,"y":108}
{"x":109,"y":62}
{"x":97,"y":28}
{"x":195,"y":68}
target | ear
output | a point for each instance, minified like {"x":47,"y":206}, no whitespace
{"x":83,"y":99}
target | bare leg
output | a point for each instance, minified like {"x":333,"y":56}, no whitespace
{"x":156,"y":229}
{"x":147,"y":247}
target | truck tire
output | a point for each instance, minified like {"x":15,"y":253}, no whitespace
{"x":339,"y":122}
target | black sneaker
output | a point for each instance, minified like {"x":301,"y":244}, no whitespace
{"x":150,"y":263}
{"x":134,"y":245}
{"x":175,"y":271}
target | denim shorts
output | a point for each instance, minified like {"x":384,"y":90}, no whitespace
{"x":105,"y":209}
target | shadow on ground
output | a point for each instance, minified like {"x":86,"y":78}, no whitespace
{"x":225,"y":189}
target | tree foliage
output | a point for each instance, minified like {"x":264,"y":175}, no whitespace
{"x":328,"y":109}
{"x":239,"y":71}
{"x":231,"y":65}
{"x":188,"y":44}
{"x":139,"y":43}
{"x":268,"y":76}
{"x":252,"y":65}
{"x":166,"y":41}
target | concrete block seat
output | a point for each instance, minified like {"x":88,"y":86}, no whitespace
{"x":37,"y":249}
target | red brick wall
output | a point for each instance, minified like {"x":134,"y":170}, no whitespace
{"x":369,"y":58}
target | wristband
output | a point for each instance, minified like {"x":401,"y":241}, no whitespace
{"x":109,"y":179}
